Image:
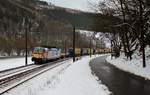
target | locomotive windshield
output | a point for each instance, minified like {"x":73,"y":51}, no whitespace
{"x":38,"y":50}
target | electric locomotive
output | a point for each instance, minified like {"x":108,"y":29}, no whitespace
{"x":45,"y":54}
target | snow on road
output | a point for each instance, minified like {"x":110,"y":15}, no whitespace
{"x":67,"y":79}
{"x":134,"y":66}
{"x":13,"y":62}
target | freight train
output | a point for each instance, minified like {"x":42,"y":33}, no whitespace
{"x":80,"y":51}
{"x":45,"y":54}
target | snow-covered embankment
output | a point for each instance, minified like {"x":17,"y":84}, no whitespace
{"x":134,"y":66}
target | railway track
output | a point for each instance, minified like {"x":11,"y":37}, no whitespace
{"x":12,"y":80}
{"x":15,"y":70}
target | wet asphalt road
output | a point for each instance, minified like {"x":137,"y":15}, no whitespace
{"x":119,"y":82}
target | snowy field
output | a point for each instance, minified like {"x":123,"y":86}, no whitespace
{"x":13,"y":62}
{"x":134,"y":66}
{"x":67,"y":79}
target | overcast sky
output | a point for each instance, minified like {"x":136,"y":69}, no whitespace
{"x":74,"y":4}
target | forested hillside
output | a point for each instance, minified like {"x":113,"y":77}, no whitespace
{"x":13,"y":24}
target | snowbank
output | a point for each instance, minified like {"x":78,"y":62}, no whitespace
{"x":68,"y":79}
{"x":134,"y":66}
{"x":13,"y":62}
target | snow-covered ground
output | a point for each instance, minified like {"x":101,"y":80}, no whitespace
{"x":67,"y":79}
{"x":134,"y":66}
{"x":13,"y":62}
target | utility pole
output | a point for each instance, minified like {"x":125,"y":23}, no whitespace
{"x":142,"y":34}
{"x":65,"y":47}
{"x":111,"y":48}
{"x":27,"y":29}
{"x":74,"y":43}
{"x":90,"y":48}
{"x":26,"y":42}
